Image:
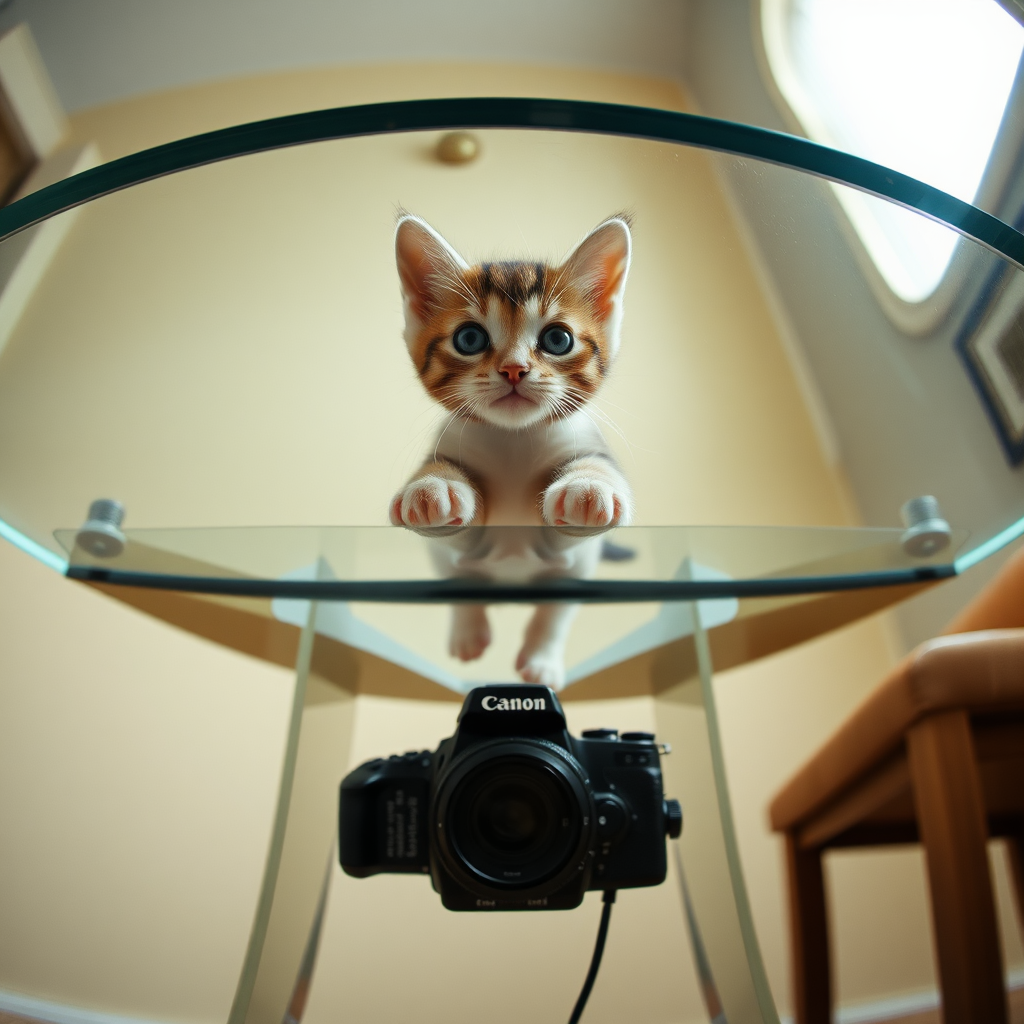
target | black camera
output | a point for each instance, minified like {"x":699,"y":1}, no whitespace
{"x":513,"y":813}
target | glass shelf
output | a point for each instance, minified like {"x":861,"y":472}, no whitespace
{"x":384,"y":572}
{"x":517,"y":564}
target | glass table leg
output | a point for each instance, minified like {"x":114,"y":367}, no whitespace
{"x":279,"y":960}
{"x":715,"y":899}
{"x":300,"y":994}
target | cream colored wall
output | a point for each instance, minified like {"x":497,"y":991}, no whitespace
{"x":138,"y":768}
{"x":729,"y":441}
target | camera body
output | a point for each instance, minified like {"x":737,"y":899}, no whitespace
{"x":512,"y":812}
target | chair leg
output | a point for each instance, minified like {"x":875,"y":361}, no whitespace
{"x":812,"y":991}
{"x":1015,"y":861}
{"x":951,"y":819}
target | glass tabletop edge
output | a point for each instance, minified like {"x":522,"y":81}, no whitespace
{"x":517,"y":113}
{"x":471,"y":591}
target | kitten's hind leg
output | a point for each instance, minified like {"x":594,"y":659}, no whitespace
{"x":542,"y":656}
{"x":471,"y":632}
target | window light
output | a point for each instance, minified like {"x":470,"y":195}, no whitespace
{"x":917,"y":85}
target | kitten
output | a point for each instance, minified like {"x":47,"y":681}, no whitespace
{"x":514,"y":350}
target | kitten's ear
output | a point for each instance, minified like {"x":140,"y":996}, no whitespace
{"x":599,"y":264}
{"x":426,"y":263}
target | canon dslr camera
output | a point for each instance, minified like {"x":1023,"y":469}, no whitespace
{"x":513,"y":813}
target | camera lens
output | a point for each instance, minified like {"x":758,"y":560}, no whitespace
{"x":514,"y":822}
{"x":511,"y":815}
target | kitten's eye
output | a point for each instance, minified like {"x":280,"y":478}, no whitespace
{"x":556,"y":339}
{"x":470,"y":340}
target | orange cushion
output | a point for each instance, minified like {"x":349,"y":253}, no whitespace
{"x":979,"y":672}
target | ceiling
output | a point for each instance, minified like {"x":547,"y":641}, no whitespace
{"x":107,"y":50}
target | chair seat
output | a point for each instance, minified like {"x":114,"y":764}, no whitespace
{"x":980,"y":673}
{"x":934,"y":755}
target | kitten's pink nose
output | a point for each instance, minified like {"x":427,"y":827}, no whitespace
{"x":513,"y":372}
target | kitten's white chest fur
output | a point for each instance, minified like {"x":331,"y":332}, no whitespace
{"x":512,"y":468}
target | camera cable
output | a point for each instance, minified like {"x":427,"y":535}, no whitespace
{"x":602,"y":933}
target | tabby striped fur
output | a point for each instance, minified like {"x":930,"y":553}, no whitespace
{"x":489,"y":344}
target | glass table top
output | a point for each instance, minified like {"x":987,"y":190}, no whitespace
{"x":210,"y":333}
{"x":512,"y":563}
{"x":381,"y":591}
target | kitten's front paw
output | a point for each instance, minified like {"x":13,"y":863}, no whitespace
{"x":544,"y":666}
{"x":433,"y":501}
{"x":581,"y":500}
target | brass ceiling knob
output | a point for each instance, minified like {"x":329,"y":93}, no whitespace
{"x":458,"y":148}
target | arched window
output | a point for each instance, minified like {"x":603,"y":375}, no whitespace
{"x":917,"y":85}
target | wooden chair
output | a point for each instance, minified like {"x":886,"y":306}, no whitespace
{"x":934,"y":755}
